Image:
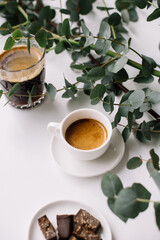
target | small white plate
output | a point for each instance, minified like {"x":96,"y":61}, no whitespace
{"x":92,"y":168}
{"x":65,"y":207}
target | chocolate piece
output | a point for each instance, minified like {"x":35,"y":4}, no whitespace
{"x":65,"y":226}
{"x":85,"y":234}
{"x":47,"y":228}
{"x":73,"y":238}
{"x":85,"y":219}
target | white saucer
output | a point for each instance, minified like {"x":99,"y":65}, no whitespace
{"x":65,"y":207}
{"x":96,"y":167}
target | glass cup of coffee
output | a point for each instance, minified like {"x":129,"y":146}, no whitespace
{"x":86,"y":133}
{"x":24,"y":68}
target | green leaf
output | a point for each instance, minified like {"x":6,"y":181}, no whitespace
{"x":148,"y":64}
{"x":146,"y":130}
{"x":142,"y":193}
{"x":102,"y":46}
{"x":136,"y":98}
{"x":117,"y":65}
{"x":96,"y":73}
{"x":134,"y":163}
{"x":46,"y":13}
{"x":14,"y":89}
{"x":114,"y":19}
{"x":154,"y":15}
{"x":17,"y":34}
{"x":117,"y":119}
{"x":12,"y":7}
{"x":59,"y":47}
{"x":82,"y":79}
{"x":125,"y":15}
{"x":144,"y":79}
{"x":141,"y":3}
{"x":28,"y":45}
{"x":130,"y":120}
{"x":154,"y":97}
{"x":111,"y":204}
{"x":121,"y":4}
{"x":111,"y":185}
{"x":104,"y":31}
{"x":108,"y":102}
{"x":133,"y":14}
{"x":66,"y":28}
{"x":154,"y":173}
{"x":146,"y":106}
{"x":157,"y":215}
{"x":98,"y":91}
{"x":155,"y":159}
{"x":104,"y":8}
{"x":41,"y":38}
{"x":89,"y":40}
{"x":124,"y":108}
{"x":126,"y":133}
{"x":84,"y":28}
{"x":1,"y":93}
{"x":9,"y":43}
{"x":118,"y":44}
{"x":51,"y":90}
{"x":35,"y":27}
{"x":65,"y":11}
{"x":84,"y":6}
{"x":126,"y":204}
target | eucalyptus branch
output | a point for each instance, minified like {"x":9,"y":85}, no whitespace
{"x":137,"y":129}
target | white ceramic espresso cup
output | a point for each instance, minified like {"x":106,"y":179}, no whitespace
{"x":59,"y":129}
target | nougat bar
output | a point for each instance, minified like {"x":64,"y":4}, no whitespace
{"x":85,"y":234}
{"x":65,"y":226}
{"x":47,"y":228}
{"x":85,"y":219}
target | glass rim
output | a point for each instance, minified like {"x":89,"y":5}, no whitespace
{"x":25,"y":69}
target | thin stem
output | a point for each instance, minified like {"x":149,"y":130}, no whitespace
{"x":138,"y":130}
{"x":112,"y":28}
{"x":146,"y":200}
{"x":152,"y":4}
{"x":60,"y":12}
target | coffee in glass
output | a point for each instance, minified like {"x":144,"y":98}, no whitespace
{"x":17,"y":65}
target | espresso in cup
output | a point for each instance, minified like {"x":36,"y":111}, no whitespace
{"x":86,"y":134}
{"x":19,"y":66}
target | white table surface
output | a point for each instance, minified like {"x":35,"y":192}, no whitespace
{"x":29,"y":180}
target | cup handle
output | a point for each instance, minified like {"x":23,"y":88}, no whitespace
{"x":54,"y":128}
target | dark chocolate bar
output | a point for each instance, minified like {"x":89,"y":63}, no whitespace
{"x":85,"y":219}
{"x":65,"y":226}
{"x":47,"y":228}
{"x":85,"y":234}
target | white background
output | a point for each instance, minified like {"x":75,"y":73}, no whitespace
{"x":29,"y":180}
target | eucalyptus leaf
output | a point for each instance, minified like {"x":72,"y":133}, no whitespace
{"x":96,"y":73}
{"x":111,"y":204}
{"x":146,"y":130}
{"x":1,"y":93}
{"x":51,"y":90}
{"x":41,"y":38}
{"x":142,"y":193}
{"x":126,"y":133}
{"x":104,"y":31}
{"x":14,"y":89}
{"x":157,"y":215}
{"x":154,"y":97}
{"x":154,"y":173}
{"x":108,"y":102}
{"x":114,"y":19}
{"x":111,"y":185}
{"x":117,"y":65}
{"x":102,"y":46}
{"x":136,"y":98}
{"x":66,"y":28}
{"x":134,"y":163}
{"x":126,"y":203}
{"x":98,"y":91}
{"x":9,"y":43}
{"x":154,"y":15}
{"x":59,"y":47}
{"x":155,"y":159}
{"x":130,"y":120}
